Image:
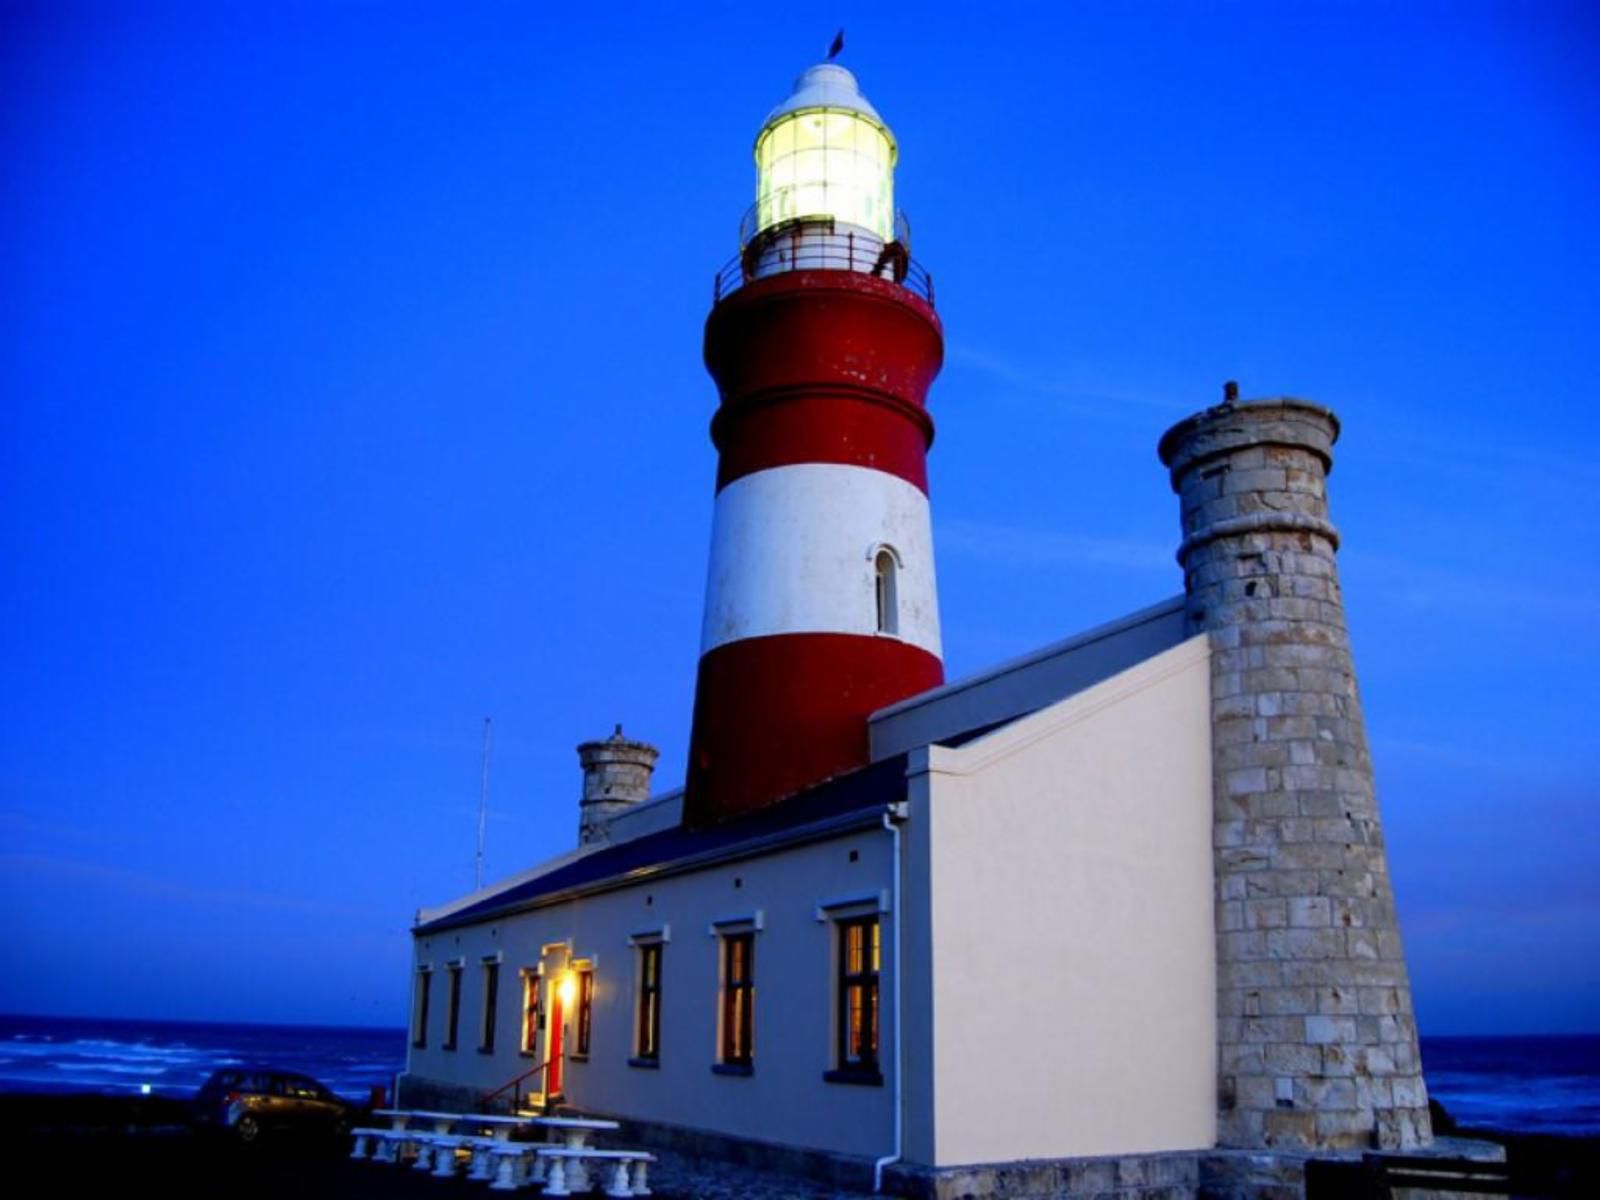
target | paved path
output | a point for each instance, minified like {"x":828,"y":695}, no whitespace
{"x":679,"y":1178}
{"x":179,"y":1166}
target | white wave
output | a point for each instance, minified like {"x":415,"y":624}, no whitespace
{"x":111,"y":1068}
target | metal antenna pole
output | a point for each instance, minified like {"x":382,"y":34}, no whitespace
{"x":483,"y":802}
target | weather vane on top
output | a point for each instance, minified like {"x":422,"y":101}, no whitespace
{"x":838,"y":45}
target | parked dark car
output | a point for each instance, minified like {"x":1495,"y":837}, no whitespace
{"x":251,"y":1101}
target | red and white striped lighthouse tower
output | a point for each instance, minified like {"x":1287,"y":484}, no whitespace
{"x":820,"y":600}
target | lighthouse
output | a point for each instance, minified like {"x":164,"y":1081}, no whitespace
{"x":821,"y":604}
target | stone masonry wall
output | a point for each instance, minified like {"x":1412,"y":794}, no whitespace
{"x":616,"y":776}
{"x":1316,"y":1037}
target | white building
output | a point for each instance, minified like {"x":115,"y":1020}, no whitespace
{"x":1118,"y":906}
{"x":955,"y":889}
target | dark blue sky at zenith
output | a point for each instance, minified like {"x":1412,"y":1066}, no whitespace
{"x":350,"y":391}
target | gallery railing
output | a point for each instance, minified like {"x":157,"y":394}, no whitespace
{"x":821,"y":244}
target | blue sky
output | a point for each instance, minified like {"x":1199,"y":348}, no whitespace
{"x":350,"y":392}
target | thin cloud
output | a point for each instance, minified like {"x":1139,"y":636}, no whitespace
{"x":17,"y":826}
{"x":1459,"y":757}
{"x":1432,"y":587}
{"x":1017,"y":545}
{"x":1068,"y":389}
{"x":1485,"y":459}
{"x":153,"y":887}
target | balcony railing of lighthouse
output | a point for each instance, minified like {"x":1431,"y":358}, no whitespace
{"x":820,"y":243}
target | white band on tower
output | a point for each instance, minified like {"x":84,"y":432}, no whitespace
{"x":795,"y":549}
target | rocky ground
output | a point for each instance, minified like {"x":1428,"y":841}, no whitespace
{"x":84,"y":1145}
{"x":81,"y":1145}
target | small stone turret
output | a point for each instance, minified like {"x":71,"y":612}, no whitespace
{"x":1317,"y":1040}
{"x":616,"y":776}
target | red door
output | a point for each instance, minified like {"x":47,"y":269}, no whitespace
{"x":553,"y":1044}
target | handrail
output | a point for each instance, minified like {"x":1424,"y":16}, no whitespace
{"x":816,"y":245}
{"x":485,"y":1100}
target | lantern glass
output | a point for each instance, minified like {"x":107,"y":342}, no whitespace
{"x":826,"y":163}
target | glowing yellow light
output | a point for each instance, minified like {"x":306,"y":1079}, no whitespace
{"x":824,"y":162}
{"x":568,"y":989}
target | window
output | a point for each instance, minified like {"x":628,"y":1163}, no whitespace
{"x":419,"y":1020}
{"x":860,"y":953}
{"x":585,"y":1010}
{"x":297,"y":1087}
{"x":738,"y":999}
{"x":453,"y":1013}
{"x":491,"y":998}
{"x":648,"y":1037}
{"x":530,"y":1011}
{"x":888,"y":601}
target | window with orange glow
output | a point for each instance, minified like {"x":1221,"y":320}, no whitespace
{"x":738,"y":998}
{"x":859,"y":956}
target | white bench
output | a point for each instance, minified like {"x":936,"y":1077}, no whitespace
{"x":482,"y":1161}
{"x":443,"y":1147}
{"x":510,"y":1161}
{"x":556,"y":1184}
{"x":387,"y":1144}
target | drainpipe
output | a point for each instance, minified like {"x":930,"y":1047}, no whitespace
{"x":895,"y":813}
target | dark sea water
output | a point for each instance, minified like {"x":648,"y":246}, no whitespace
{"x":1527,"y":1084}
{"x":173,"y":1058}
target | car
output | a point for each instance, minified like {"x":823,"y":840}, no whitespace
{"x":248,"y":1102}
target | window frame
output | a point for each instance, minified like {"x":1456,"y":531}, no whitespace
{"x":647,"y":1002}
{"x":853,"y":1065}
{"x":736,"y":1003}
{"x":584,"y":1022}
{"x":452,"y":1027}
{"x":886,"y":568}
{"x":532,"y":1011}
{"x":419,"y":1007}
{"x":490,"y":965}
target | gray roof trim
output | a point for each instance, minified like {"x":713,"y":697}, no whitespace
{"x":819,"y":831}
{"x":1036,"y":680}
{"x":1065,"y":646}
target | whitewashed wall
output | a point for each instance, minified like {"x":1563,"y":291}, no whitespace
{"x":785,"y":1100}
{"x":1060,"y":926}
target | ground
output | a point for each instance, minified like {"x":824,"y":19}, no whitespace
{"x":87,"y":1145}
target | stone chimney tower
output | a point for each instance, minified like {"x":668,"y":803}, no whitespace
{"x":616,"y":776}
{"x":1317,"y":1043}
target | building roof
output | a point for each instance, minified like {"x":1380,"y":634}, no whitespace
{"x":951,"y":715}
{"x":970,"y":707}
{"x":844,"y":802}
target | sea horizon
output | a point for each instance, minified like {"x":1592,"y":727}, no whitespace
{"x":1539,"y":1083}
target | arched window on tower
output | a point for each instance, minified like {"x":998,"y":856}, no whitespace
{"x":883,"y":571}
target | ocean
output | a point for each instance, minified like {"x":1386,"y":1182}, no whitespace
{"x":1525,"y":1084}
{"x":173,"y":1058}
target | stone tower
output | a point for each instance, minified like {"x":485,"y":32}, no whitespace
{"x":1317,"y":1042}
{"x":616,"y":776}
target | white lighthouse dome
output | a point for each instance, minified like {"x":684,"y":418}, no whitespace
{"x":826,"y":85}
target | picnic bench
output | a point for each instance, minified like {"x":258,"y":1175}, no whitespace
{"x":577,"y":1176}
{"x":561,"y":1165}
{"x":436,"y":1149}
{"x":574,"y":1133}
